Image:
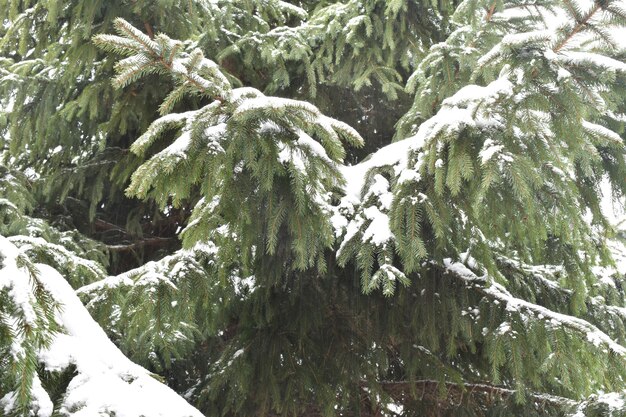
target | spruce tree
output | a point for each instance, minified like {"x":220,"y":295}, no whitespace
{"x":466,"y":266}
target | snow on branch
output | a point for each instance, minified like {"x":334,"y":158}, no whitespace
{"x":497,"y":292}
{"x":106,"y":382}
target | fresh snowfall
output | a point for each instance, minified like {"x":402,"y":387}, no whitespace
{"x":312,"y":208}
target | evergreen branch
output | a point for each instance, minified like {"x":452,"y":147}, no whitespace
{"x":150,"y":241}
{"x":431,"y":390}
{"x":149,"y":30}
{"x":155,"y":52}
{"x":104,"y":225}
{"x":191,"y":79}
{"x":491,"y":11}
{"x":580,"y":24}
{"x":495,"y":291}
{"x":130,"y":31}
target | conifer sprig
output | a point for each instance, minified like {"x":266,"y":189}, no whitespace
{"x":278,"y":152}
{"x":194,"y":72}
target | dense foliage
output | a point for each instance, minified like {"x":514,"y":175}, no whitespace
{"x":312,"y":208}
